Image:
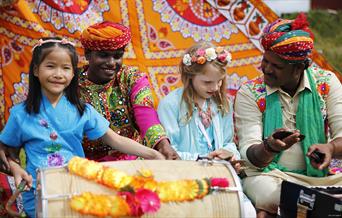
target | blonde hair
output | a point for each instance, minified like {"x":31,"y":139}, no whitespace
{"x":189,"y":71}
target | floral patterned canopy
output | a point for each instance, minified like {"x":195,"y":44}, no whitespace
{"x":161,"y":30}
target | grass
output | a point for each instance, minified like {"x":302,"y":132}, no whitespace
{"x":327,"y":28}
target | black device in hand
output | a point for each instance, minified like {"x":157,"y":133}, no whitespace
{"x":283,"y":134}
{"x":317,"y":156}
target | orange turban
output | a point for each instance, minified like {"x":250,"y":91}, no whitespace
{"x":105,"y":36}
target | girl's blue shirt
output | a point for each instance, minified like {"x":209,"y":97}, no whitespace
{"x":54,"y":135}
{"x":185,"y":135}
{"x":51,"y":137}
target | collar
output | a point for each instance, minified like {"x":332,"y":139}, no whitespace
{"x":304,"y":84}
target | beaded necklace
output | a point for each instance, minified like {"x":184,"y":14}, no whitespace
{"x":206,"y":116}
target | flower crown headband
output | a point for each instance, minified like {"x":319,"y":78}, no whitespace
{"x":209,"y":54}
{"x":62,"y":41}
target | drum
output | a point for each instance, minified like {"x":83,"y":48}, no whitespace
{"x":56,"y":185}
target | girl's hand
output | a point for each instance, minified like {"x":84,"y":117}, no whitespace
{"x":221,"y":154}
{"x":237,"y":165}
{"x":155,"y":155}
{"x":165,"y":148}
{"x":20,"y":174}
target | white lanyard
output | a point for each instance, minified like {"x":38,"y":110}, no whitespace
{"x":200,"y":124}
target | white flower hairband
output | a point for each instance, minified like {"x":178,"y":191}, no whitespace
{"x":62,"y":41}
{"x":208,"y":54}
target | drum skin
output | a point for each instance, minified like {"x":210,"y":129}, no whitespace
{"x":57,"y":185}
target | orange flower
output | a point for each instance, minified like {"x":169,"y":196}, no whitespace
{"x":201,"y":60}
{"x":323,"y":89}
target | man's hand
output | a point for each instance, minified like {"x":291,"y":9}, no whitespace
{"x":283,"y":144}
{"x":4,"y":164}
{"x":165,"y":148}
{"x":326,"y":149}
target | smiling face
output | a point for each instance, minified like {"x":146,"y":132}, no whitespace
{"x":55,"y":72}
{"x":278,"y":73}
{"x":208,"y":83}
{"x":103,"y":65}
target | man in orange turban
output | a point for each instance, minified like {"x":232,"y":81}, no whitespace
{"x":295,"y":97}
{"x":122,"y":94}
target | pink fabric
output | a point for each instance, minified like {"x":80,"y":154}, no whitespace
{"x":145,"y":116}
{"x":116,"y":158}
{"x":139,"y":84}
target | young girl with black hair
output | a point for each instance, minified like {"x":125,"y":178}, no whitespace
{"x":51,"y":123}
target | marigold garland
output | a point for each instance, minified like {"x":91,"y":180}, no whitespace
{"x":146,"y":193}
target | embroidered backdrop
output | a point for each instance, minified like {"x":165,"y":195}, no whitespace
{"x":161,"y":30}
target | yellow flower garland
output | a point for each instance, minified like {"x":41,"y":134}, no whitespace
{"x":143,"y":184}
{"x":180,"y":190}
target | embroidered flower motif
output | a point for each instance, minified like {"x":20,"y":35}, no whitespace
{"x":262,"y":104}
{"x":53,"y":136}
{"x":259,"y":80}
{"x":53,"y":148}
{"x":55,"y":160}
{"x":43,"y":123}
{"x":261,"y":89}
{"x":323,"y":89}
{"x":187,"y":60}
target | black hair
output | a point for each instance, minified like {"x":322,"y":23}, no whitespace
{"x":34,"y":97}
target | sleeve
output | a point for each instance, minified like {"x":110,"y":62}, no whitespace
{"x":96,"y":125}
{"x":334,"y":107}
{"x":11,"y":135}
{"x":144,"y":113}
{"x":248,"y":120}
{"x":228,"y":134}
{"x":168,"y":114}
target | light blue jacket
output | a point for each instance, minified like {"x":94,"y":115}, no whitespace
{"x":185,"y":136}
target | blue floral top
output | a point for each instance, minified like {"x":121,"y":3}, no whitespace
{"x":185,"y":135}
{"x":54,"y":136}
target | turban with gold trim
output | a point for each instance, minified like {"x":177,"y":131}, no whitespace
{"x":292,"y":40}
{"x":105,"y":36}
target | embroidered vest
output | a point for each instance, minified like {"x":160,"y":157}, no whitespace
{"x":322,"y":79}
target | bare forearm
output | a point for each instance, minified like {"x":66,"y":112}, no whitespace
{"x":15,"y":167}
{"x":128,"y":146}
